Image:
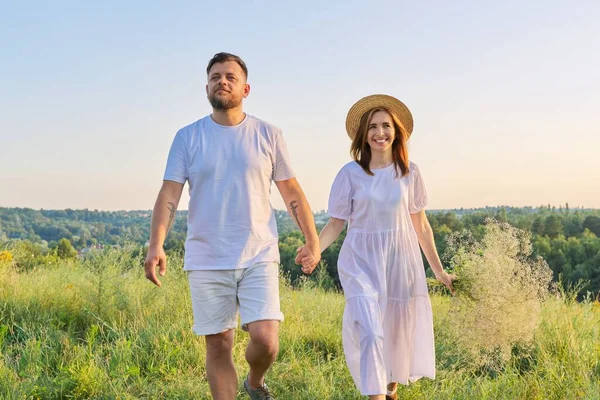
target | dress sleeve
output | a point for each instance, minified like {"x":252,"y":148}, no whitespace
{"x":340,"y":197}
{"x":417,"y":199}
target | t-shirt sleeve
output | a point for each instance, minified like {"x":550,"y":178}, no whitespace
{"x":282,"y":166}
{"x":177,"y":162}
{"x":340,"y":197}
{"x":417,"y":200}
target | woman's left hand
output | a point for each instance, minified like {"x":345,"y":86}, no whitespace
{"x":447,"y":280}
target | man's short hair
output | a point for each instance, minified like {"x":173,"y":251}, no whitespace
{"x":223,"y":57}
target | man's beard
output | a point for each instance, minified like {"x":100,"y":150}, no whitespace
{"x":221,"y":104}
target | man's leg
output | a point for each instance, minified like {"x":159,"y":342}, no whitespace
{"x":258,"y":296}
{"x":219,"y":365}
{"x":262,"y":349}
{"x":214,"y":304}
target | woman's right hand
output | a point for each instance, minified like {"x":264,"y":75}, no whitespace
{"x":306,"y":259}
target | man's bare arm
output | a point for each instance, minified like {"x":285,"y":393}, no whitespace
{"x":163,"y":215}
{"x":300,"y":211}
{"x":163,"y":218}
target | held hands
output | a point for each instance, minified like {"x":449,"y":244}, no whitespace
{"x":447,"y":279}
{"x":155,"y":256}
{"x":308,"y":256}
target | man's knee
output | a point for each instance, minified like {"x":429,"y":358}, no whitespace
{"x":220,"y":344}
{"x":266,"y":335}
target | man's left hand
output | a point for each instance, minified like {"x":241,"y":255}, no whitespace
{"x":309,"y":256}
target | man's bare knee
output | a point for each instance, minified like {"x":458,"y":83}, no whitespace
{"x":266,"y":335}
{"x":220,"y":344}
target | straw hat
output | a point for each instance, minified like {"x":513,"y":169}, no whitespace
{"x":368,"y":103}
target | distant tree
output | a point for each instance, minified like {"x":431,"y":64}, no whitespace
{"x":64,"y":249}
{"x":573,"y":224}
{"x":553,"y":225}
{"x":174,"y":245}
{"x":288,"y":243}
{"x":501,"y":215}
{"x":593,"y":224}
{"x":451,"y":220}
{"x":537,"y":227}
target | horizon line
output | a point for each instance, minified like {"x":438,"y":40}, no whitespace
{"x":541,"y":206}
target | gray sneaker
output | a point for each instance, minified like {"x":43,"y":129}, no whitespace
{"x":260,"y":393}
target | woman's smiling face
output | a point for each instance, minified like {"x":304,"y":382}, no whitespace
{"x":381,"y":132}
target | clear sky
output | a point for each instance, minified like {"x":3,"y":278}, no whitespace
{"x":505,"y":95}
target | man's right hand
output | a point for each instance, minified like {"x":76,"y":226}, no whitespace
{"x":156,"y":256}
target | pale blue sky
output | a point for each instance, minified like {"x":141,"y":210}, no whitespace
{"x":505,"y":97}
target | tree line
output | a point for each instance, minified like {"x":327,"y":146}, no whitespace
{"x":568,"y":239}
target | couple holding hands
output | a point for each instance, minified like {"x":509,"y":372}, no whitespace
{"x":229,"y":160}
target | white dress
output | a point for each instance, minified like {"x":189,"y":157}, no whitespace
{"x":388,"y":324}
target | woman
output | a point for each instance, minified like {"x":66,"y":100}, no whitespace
{"x":388,"y":325}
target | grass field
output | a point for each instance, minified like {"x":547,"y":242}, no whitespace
{"x":97,"y":329}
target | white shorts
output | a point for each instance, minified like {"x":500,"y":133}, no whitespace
{"x":218,"y":294}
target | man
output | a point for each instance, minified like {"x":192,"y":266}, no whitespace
{"x":229,"y":160}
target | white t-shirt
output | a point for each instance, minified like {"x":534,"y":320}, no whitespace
{"x":231,"y":223}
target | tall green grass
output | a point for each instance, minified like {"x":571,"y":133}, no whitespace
{"x":97,"y":329}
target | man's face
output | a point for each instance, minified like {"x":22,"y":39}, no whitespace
{"x":226,"y":87}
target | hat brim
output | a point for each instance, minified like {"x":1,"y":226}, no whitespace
{"x":368,"y":103}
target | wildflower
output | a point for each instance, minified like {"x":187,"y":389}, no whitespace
{"x":6,"y":256}
{"x":499,"y":292}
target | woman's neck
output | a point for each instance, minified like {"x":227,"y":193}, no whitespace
{"x":381,"y":159}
